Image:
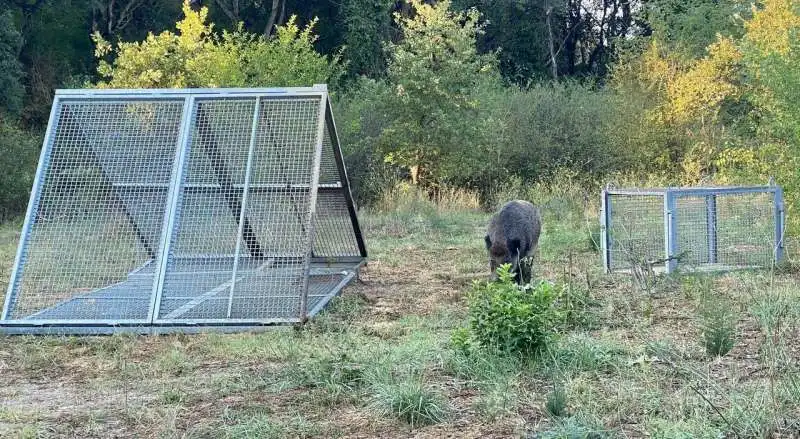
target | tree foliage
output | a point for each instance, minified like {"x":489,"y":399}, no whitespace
{"x":197,"y":57}
{"x":689,"y":26}
{"x":367,"y":26}
{"x":433,"y":73}
{"x":10,"y":67}
{"x":18,"y":154}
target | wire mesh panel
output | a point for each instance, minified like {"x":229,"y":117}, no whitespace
{"x":695,"y":216}
{"x":335,"y":222}
{"x":201,"y":254}
{"x":184,"y":207}
{"x":635,"y":230}
{"x":255,"y":200}
{"x":98,"y":214}
{"x":283,"y":186}
{"x":726,"y":230}
{"x":694,"y":228}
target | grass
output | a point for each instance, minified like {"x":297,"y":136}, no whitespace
{"x":411,"y":401}
{"x":380,"y":362}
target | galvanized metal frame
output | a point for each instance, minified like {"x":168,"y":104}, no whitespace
{"x":670,"y":230}
{"x":312,"y":202}
{"x":176,"y":188}
{"x":339,"y":158}
{"x":173,"y":210}
{"x":605,"y":224}
{"x":671,"y":226}
{"x":779,"y":213}
{"x":33,"y":206}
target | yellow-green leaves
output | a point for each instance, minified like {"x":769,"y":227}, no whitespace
{"x":195,"y":56}
{"x":774,"y":25}
{"x":698,"y":92}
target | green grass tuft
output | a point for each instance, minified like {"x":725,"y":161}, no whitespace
{"x":410,"y":401}
{"x":718,"y":327}
{"x":556,"y":404}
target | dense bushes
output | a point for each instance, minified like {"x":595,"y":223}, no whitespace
{"x":19,"y":152}
{"x":524,"y":135}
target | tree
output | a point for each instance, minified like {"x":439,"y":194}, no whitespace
{"x":111,"y":17}
{"x":10,"y":67}
{"x":197,"y":57}
{"x":367,"y":26}
{"x":690,"y":26}
{"x":433,"y":71}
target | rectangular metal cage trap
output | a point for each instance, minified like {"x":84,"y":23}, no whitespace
{"x":184,"y":210}
{"x":692,"y":229}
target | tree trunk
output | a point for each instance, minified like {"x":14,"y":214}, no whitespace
{"x":233,"y":15}
{"x":572,"y":37}
{"x":277,"y":6}
{"x":554,"y":64}
{"x":282,"y":18}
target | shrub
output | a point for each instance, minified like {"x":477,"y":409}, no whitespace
{"x":543,"y":120}
{"x":19,"y":152}
{"x":510,"y":318}
{"x":199,"y":57}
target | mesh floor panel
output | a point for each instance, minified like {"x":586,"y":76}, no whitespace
{"x":115,"y":301}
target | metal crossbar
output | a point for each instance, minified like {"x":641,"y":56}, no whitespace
{"x":167,"y":209}
{"x":694,"y":229}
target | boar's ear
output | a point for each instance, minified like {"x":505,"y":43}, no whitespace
{"x":488,"y":242}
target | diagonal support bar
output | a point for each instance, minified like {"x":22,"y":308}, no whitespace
{"x":245,"y":192}
{"x":230,"y":193}
{"x":338,"y":157}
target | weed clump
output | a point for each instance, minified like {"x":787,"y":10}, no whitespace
{"x":510,"y":318}
{"x":556,"y":404}
{"x":412,"y":402}
{"x":718,"y":327}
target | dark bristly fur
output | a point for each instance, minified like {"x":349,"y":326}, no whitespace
{"x":513,"y":235}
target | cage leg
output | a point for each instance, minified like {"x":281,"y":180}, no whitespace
{"x":779,"y":213}
{"x":670,"y":230}
{"x":605,"y":229}
{"x":711,"y":228}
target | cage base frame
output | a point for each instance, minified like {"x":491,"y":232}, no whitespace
{"x":700,"y":269}
{"x":28,"y":326}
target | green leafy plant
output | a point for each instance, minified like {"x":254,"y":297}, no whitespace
{"x":510,"y":318}
{"x":461,"y":340}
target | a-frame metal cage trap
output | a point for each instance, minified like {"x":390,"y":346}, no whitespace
{"x":692,"y":229}
{"x":163,"y":210}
